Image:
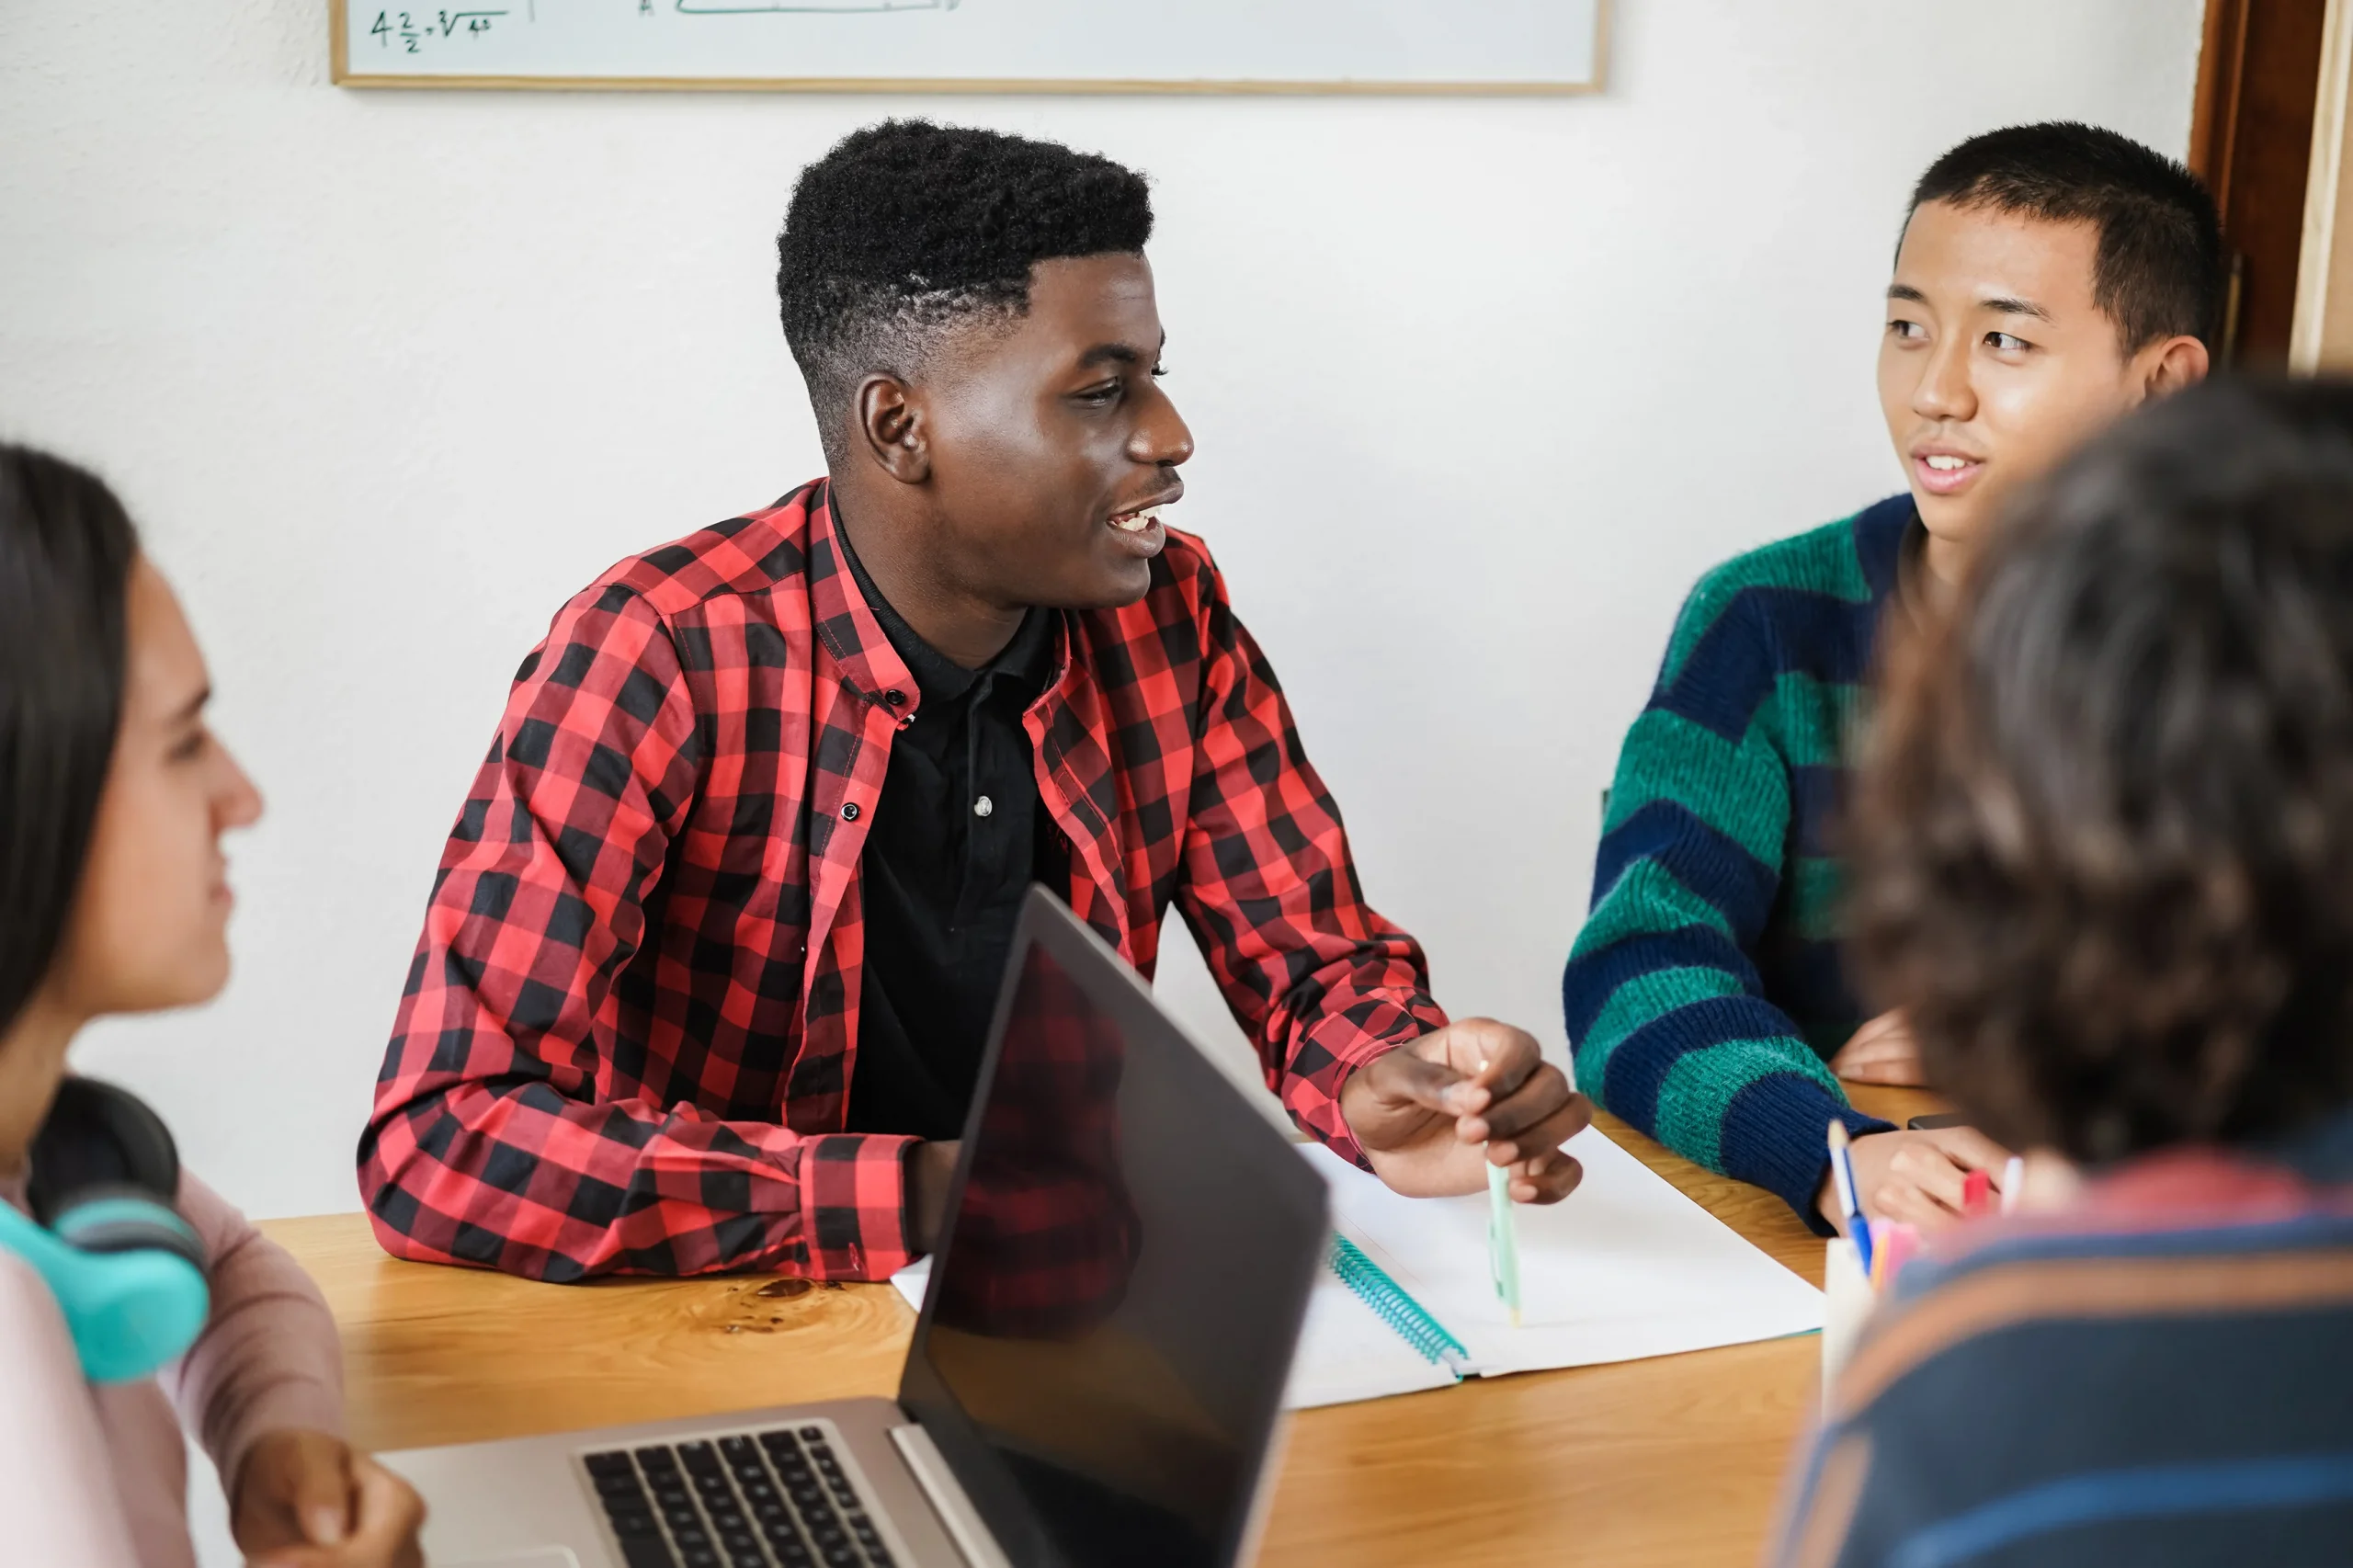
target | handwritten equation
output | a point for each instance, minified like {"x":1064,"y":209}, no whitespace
{"x":409,"y":31}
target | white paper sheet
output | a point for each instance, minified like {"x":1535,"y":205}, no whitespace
{"x":910,"y":1281}
{"x":1625,"y":1267}
{"x":1346,"y":1353}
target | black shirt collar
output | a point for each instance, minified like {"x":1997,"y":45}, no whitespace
{"x":1025,"y":659}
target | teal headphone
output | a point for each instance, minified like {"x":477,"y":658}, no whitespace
{"x":127,"y":1271}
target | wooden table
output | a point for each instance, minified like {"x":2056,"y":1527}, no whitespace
{"x":1643,"y":1464}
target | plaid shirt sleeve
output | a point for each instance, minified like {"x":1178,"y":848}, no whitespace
{"x":1317,"y":979}
{"x":510,"y":1130}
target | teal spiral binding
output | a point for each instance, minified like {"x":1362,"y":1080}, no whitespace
{"x":1391,"y":1303}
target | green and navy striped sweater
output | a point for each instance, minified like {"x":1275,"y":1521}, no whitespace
{"x":1704,"y":995}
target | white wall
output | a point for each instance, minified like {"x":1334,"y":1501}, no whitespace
{"x":1479,"y":386}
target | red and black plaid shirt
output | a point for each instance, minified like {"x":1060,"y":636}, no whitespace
{"x":628,"y":1035}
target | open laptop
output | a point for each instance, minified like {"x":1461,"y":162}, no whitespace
{"x":1097,"y":1375}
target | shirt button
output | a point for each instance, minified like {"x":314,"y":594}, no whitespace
{"x":850,"y":810}
{"x":896,"y":698}
{"x":983,"y":806}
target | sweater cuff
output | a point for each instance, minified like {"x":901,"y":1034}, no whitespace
{"x":293,"y":1403}
{"x":1776,"y":1134}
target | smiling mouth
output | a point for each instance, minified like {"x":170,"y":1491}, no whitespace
{"x":1946,"y":473}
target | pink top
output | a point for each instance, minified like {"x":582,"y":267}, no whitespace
{"x":95,"y":1477}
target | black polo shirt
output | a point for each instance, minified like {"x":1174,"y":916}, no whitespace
{"x":957,"y":837}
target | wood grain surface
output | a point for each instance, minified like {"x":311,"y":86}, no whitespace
{"x":1644,"y":1464}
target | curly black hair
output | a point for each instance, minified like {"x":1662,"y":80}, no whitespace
{"x":907,"y":228}
{"x":2160,"y":268}
{"x":2102,"y":839}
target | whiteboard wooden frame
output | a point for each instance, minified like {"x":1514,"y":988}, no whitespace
{"x":339,"y":45}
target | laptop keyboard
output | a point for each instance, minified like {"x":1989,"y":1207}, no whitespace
{"x":772,"y":1499}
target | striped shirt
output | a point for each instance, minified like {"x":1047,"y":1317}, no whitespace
{"x":2160,"y":1376}
{"x":1704,"y":995}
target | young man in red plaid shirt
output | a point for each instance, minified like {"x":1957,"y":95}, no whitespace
{"x":706,"y":972}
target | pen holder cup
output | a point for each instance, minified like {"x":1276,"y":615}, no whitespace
{"x":1847,"y":1298}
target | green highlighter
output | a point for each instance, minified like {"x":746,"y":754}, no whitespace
{"x":1502,"y":1240}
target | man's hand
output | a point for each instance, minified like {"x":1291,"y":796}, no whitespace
{"x":929,"y":1168}
{"x":1431,"y":1114}
{"x":1882,"y":1051}
{"x":1916,"y":1176}
{"x":308,"y":1500}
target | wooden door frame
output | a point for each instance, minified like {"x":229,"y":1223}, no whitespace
{"x":2222,"y":54}
{"x":2323,"y":336}
{"x":2251,"y":141}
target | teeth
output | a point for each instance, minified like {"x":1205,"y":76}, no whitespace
{"x":1136,"y":522}
{"x":1946,"y":465}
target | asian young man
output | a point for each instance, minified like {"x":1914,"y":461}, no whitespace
{"x":2049,"y":278}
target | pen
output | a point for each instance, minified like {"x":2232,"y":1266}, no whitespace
{"x":1842,"y":1171}
{"x":1502,"y":1240}
{"x":1893,"y":1244}
{"x":2013,"y":1183}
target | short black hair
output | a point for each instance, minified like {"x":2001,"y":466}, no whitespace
{"x":2102,"y":840}
{"x":66,"y":553}
{"x":2159,"y":271}
{"x":907,"y":228}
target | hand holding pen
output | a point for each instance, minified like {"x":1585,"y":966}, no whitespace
{"x":1920,"y":1177}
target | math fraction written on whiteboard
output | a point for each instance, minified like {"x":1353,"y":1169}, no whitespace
{"x":411,"y":30}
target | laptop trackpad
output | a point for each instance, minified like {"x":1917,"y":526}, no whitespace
{"x":538,"y":1557}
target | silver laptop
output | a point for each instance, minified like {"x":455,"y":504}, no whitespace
{"x":1096,"y":1375}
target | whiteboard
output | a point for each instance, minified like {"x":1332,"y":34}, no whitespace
{"x":1101,"y":46}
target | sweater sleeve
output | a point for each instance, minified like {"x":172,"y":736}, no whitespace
{"x":1665,"y":1009}
{"x":268,"y":1356}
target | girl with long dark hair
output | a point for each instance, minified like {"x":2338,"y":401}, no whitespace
{"x":133,"y":1299}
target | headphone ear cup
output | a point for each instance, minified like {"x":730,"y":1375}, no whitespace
{"x":126,"y":1270}
{"x":130,"y":1313}
{"x":102,"y":1220}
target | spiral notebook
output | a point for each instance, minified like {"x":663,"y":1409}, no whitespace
{"x":1367,"y":1338}
{"x":1626,"y":1267}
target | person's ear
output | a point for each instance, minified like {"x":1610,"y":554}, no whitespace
{"x":890,"y":424}
{"x":2173,"y":365}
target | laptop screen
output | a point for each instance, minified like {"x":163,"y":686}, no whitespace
{"x":1103,"y":1350}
